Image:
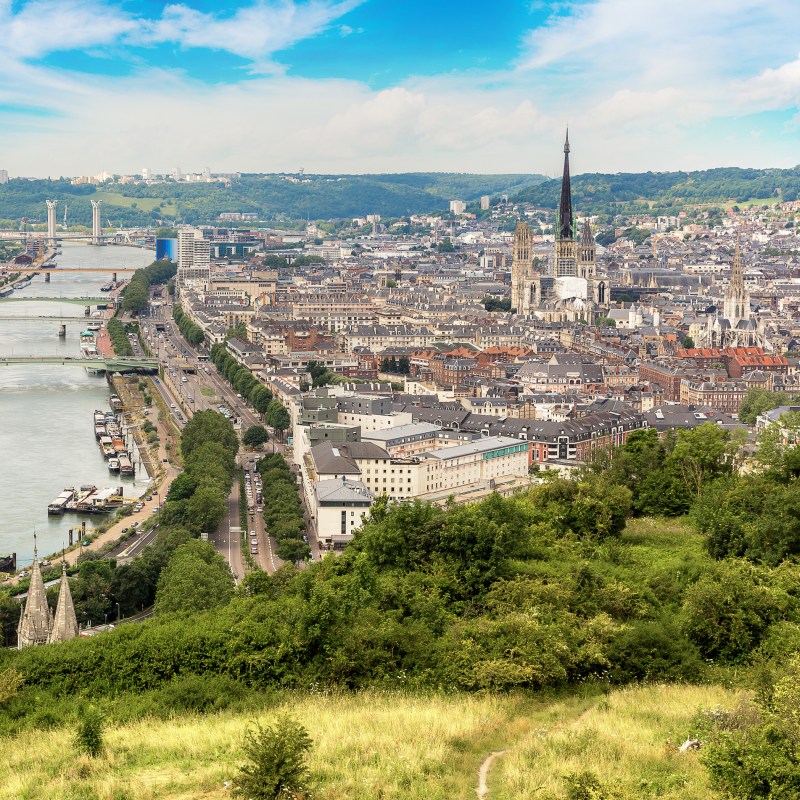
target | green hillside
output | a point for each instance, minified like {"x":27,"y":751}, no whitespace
{"x":597,"y":193}
{"x":270,"y":196}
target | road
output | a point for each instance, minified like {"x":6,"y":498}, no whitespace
{"x":266,"y":558}
{"x":202,"y":388}
{"x":226,"y":543}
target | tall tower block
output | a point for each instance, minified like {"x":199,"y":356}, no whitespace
{"x":51,"y":221}
{"x":97,"y":227}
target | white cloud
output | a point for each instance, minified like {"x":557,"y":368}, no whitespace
{"x":643,"y":84}
{"x":773,"y":88}
{"x":254,"y":32}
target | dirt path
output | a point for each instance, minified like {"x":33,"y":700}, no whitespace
{"x":483,"y":774}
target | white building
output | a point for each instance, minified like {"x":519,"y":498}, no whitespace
{"x":3,"y":176}
{"x":340,"y":507}
{"x":194,"y":260}
{"x":457,"y":207}
{"x":485,"y":202}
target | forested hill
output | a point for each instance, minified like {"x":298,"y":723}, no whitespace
{"x":597,"y":193}
{"x":270,"y":196}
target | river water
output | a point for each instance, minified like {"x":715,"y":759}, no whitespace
{"x":46,"y":429}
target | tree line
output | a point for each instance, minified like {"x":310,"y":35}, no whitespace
{"x":135,"y":294}
{"x":189,"y":329}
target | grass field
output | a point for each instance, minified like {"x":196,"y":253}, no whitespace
{"x":394,"y":747}
{"x":142,"y":203}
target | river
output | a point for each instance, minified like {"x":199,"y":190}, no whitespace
{"x":46,"y":430}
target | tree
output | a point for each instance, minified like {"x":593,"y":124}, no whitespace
{"x":687,"y":342}
{"x":89,"y":735}
{"x":196,"y":578}
{"x":255,"y":436}
{"x":277,"y":416}
{"x":208,"y":426}
{"x":10,"y":682}
{"x":206,"y":508}
{"x":134,"y":298}
{"x":758,"y":401}
{"x":275,"y":762}
{"x":293,"y":550}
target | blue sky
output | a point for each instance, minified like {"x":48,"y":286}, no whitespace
{"x":380,"y":86}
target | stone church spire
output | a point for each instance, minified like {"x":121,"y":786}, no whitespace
{"x":565,"y":221}
{"x":35,"y":622}
{"x":65,"y":623}
{"x":736,"y":303}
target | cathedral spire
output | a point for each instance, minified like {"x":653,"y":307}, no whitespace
{"x":65,"y":623}
{"x":34,"y":624}
{"x":737,"y":276}
{"x":565,"y":222}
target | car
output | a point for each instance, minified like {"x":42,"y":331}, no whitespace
{"x":165,"y":460}
{"x":254,"y":551}
{"x":149,"y":497}
{"x":173,"y":406}
{"x":134,"y":524}
{"x":24,"y":574}
{"x":252,"y":533}
{"x":125,"y":530}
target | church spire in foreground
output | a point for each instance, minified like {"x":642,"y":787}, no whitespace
{"x":35,"y":622}
{"x":65,"y":623}
{"x":565,"y":221}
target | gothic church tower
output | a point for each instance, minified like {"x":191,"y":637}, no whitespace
{"x":521,"y":268}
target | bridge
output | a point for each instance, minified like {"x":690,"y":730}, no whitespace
{"x":112,"y":364}
{"x":45,"y":270}
{"x":17,"y":317}
{"x":81,"y":301}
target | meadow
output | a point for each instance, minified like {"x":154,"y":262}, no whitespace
{"x":394,"y":746}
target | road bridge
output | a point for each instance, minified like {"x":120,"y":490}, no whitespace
{"x":46,"y":270}
{"x":28,"y":317}
{"x":112,"y":364}
{"x":80,"y":301}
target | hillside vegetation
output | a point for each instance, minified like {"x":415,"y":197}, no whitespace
{"x":666,"y":192}
{"x":392,"y":746}
{"x":270,"y":196}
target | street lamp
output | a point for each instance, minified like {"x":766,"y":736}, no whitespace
{"x":118,"y":617}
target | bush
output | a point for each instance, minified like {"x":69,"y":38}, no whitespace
{"x":89,"y":735}
{"x":275,"y":765}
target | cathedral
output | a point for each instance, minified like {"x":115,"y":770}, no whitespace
{"x":37,"y":624}
{"x":571,"y":289}
{"x":736,"y":326}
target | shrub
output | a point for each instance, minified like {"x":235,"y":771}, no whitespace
{"x":275,"y":763}
{"x":89,"y":735}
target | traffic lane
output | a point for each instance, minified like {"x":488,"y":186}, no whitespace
{"x":266,"y":558}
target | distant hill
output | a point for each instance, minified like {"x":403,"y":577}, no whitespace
{"x":271,"y":196}
{"x":597,"y":193}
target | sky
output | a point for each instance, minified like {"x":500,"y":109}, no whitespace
{"x":352,"y":86}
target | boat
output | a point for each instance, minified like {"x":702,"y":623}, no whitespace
{"x":116,"y":403}
{"x":119,"y":445}
{"x":22,"y":284}
{"x":94,"y":326}
{"x":59,"y":505}
{"x":125,"y":465}
{"x":91,"y":500}
{"x":8,"y":290}
{"x":107,"y":447}
{"x":113,"y":465}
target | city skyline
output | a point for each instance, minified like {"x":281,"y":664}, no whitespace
{"x":372,"y":86}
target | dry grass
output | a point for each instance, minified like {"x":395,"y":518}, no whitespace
{"x":366,"y":746}
{"x":629,"y":740}
{"x":393,"y":747}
